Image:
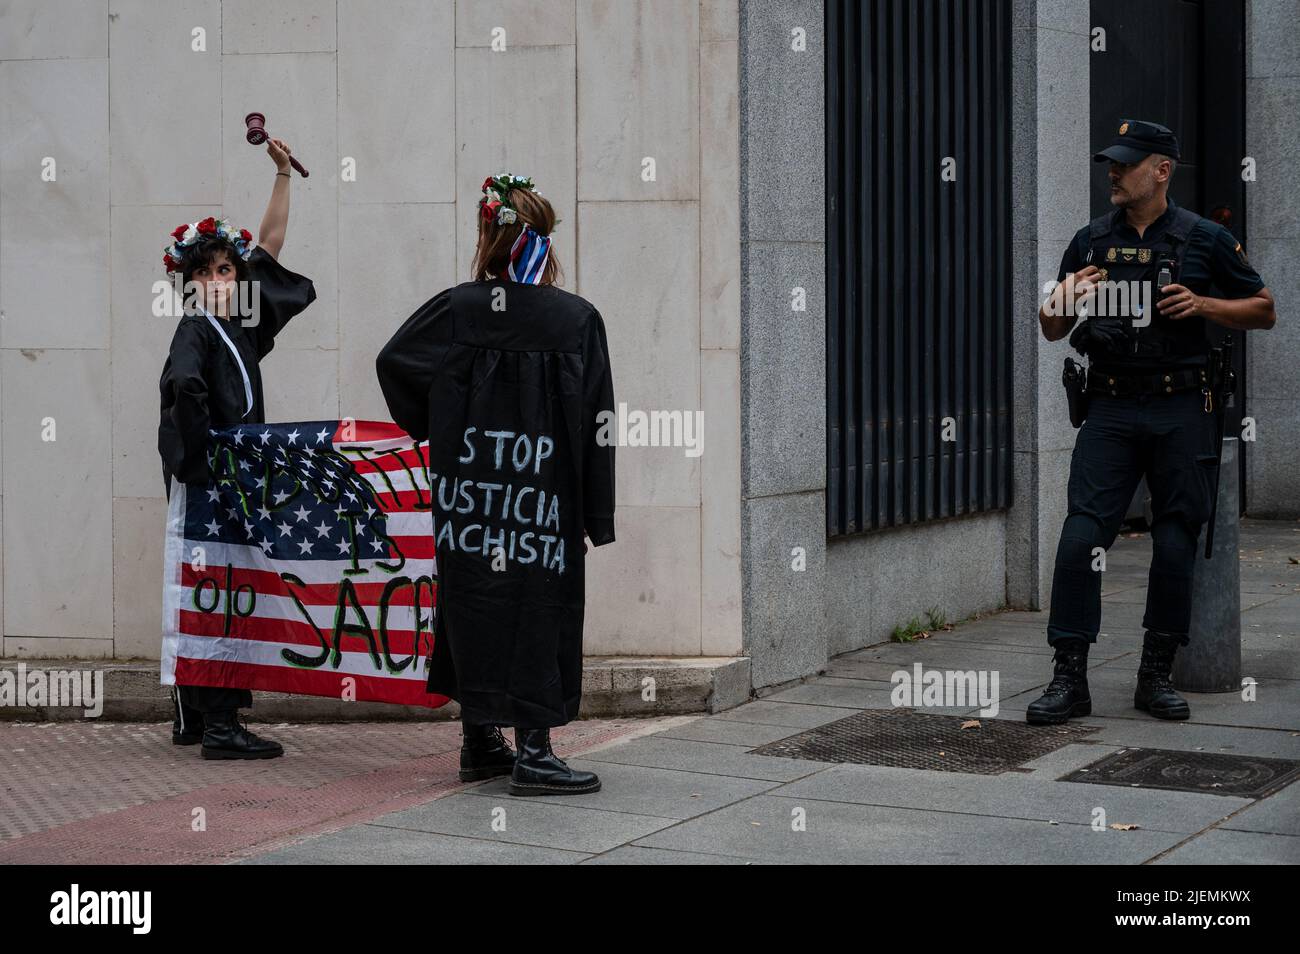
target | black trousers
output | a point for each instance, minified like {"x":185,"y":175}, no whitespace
{"x":193,"y":701}
{"x":1169,"y":439}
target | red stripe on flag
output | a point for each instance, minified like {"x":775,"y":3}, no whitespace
{"x":309,"y":682}
{"x":267,"y":583}
{"x":361,"y":432}
{"x":268,"y":629}
{"x":387,"y":461}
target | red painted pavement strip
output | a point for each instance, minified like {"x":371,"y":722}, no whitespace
{"x":121,"y":793}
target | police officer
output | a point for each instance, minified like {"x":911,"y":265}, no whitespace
{"x":1150,"y":406}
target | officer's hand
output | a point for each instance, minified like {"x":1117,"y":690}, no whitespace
{"x":1180,"y":302}
{"x":1075,"y":287}
{"x":1084,"y":281}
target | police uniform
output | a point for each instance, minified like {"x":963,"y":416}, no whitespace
{"x":1151,"y":414}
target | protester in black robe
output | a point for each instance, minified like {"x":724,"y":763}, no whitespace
{"x":211,"y":379}
{"x":506,"y":376}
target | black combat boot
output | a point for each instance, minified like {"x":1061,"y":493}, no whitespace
{"x":1155,"y":693}
{"x":539,"y":771}
{"x":484,"y":753}
{"x":1066,"y":696}
{"x":187,"y":727}
{"x":226,"y":737}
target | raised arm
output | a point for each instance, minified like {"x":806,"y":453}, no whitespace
{"x":270,"y":234}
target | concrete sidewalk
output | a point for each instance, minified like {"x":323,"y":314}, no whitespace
{"x":690,"y":790}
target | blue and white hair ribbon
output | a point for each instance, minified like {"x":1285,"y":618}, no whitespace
{"x":528,"y":256}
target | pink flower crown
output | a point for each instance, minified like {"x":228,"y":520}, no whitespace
{"x":187,"y":234}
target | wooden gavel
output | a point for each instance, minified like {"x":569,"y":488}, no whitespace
{"x":256,"y":124}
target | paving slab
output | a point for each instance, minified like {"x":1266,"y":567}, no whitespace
{"x":664,"y":793}
{"x":637,"y":855}
{"x":524,"y":821}
{"x":748,"y":735}
{"x":1279,"y":814}
{"x":708,"y":758}
{"x":844,"y":833}
{"x":1192,"y":737}
{"x":1225,"y":847}
{"x":1069,"y":758}
{"x":792,"y":714}
{"x":1011,"y":795}
{"x":380,"y":845}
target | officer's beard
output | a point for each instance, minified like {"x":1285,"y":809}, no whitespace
{"x":1135,"y":194}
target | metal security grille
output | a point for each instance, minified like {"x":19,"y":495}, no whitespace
{"x":918,"y":268}
{"x":905,"y":738}
{"x":1212,"y":773}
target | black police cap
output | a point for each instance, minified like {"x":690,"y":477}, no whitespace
{"x":1136,"y":140}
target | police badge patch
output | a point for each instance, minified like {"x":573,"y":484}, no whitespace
{"x":1144,"y":255}
{"x":1110,"y":254}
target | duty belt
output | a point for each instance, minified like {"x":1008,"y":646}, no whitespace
{"x":1131,"y":385}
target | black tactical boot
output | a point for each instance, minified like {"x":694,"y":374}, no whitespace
{"x":539,"y":771}
{"x":226,"y":737}
{"x":484,"y":753}
{"x":1155,"y":693}
{"x":187,"y":727}
{"x":1066,"y":695}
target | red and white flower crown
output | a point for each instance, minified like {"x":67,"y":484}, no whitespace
{"x":187,"y":234}
{"x":495,"y":203}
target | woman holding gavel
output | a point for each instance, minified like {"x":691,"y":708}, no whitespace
{"x":211,"y":379}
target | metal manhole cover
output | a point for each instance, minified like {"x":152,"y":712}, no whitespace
{"x":1211,"y":773}
{"x":905,"y":738}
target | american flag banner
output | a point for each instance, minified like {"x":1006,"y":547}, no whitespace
{"x":306,"y":565}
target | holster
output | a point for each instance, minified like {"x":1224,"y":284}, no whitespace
{"x":1075,"y":378}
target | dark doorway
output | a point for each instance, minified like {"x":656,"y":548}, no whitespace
{"x":1181,"y":63}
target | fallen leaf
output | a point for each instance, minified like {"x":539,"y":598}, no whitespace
{"x":1120,"y":826}
{"x":971,"y":724}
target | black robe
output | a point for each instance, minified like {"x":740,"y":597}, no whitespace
{"x":201,"y":384}
{"x":508,"y":399}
